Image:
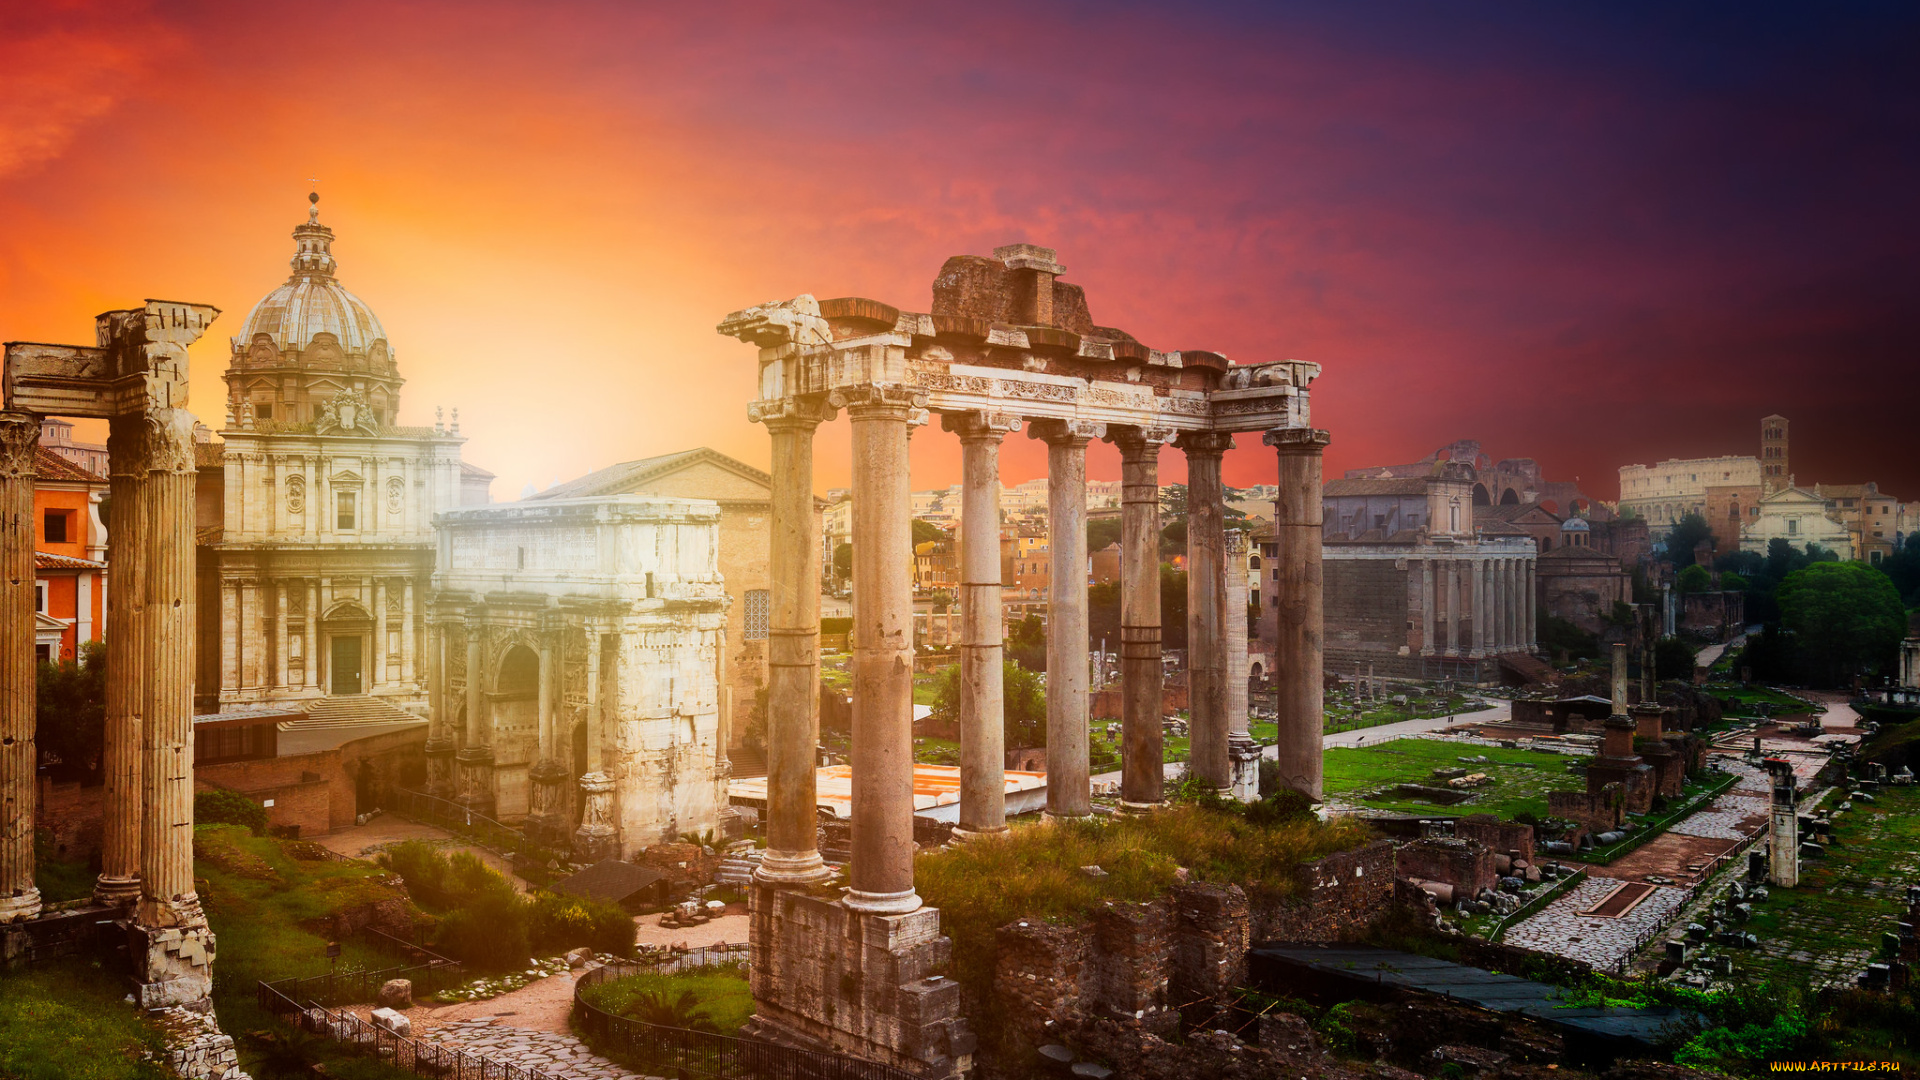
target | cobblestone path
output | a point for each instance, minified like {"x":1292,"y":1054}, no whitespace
{"x":1604,"y":943}
{"x":559,"y":1055}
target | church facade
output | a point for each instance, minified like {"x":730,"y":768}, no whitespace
{"x":316,"y":509}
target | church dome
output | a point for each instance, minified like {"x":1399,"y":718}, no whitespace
{"x":312,"y":303}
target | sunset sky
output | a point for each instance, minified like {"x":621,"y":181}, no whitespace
{"x":1593,"y":234}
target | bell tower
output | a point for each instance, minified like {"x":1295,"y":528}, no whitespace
{"x":1774,"y":473}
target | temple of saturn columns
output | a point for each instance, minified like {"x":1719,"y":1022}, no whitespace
{"x":1006,"y":346}
{"x":134,"y":377}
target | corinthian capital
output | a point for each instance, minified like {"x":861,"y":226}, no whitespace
{"x":881,"y":399}
{"x":19,"y":442}
{"x":1134,"y":439}
{"x":990,"y":426}
{"x":1204,"y":443}
{"x":809,"y":411}
{"x":1066,"y":431}
{"x":170,"y":441}
{"x":1297,"y":440}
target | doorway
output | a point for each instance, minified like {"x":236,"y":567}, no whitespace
{"x":346,"y":664}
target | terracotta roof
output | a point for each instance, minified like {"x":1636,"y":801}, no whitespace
{"x":1497,"y":527}
{"x":47,"y":560}
{"x":209,"y":455}
{"x":52,"y":468}
{"x":1396,"y":485}
{"x":471,"y":471}
{"x":1510,"y":511}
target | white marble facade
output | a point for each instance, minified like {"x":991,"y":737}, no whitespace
{"x":577,"y":673}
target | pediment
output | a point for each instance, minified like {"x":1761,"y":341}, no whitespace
{"x":348,"y":477}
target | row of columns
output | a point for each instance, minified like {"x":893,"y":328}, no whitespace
{"x":1493,"y":597}
{"x":882,"y":665}
{"x":251,"y":613}
{"x":147,"y":804}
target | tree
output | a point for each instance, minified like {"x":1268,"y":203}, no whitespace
{"x":1686,"y":533}
{"x":1102,"y":532}
{"x":1173,"y":501}
{"x":1693,"y":579}
{"x":1027,"y":645}
{"x":924,"y":531}
{"x":1173,"y":538}
{"x":843,"y":560}
{"x":1673,"y":659}
{"x":1847,"y":616}
{"x":1732,"y":582}
{"x":70,"y":720}
{"x":1024,"y":700}
{"x":1903,"y":569}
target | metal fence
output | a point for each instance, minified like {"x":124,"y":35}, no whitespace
{"x":668,"y":960}
{"x":701,"y":1055}
{"x":483,"y":830}
{"x":416,"y":1056}
{"x":334,"y":988}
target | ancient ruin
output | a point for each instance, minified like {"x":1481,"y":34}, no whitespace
{"x":575,"y":648}
{"x":1006,"y":345}
{"x":134,"y":377}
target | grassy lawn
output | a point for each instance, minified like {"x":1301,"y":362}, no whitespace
{"x":269,"y":911}
{"x":931,"y":751}
{"x":66,"y":1021}
{"x":1746,"y":699}
{"x":721,"y":992}
{"x":1828,"y":928}
{"x":59,"y":880}
{"x":1521,"y":778}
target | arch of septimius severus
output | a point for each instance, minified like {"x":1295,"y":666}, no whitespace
{"x":1007,"y":345}
{"x":134,"y":377}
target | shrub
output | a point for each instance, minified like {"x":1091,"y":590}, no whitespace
{"x":418,"y":863}
{"x":218,"y":806}
{"x":489,"y":930}
{"x":561,"y":922}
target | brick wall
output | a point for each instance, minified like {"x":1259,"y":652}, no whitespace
{"x":1498,"y":836}
{"x":1465,"y":864}
{"x":1366,"y":606}
{"x":70,"y":814}
{"x":1335,"y":899}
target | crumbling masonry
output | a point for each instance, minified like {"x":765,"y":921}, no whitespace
{"x":1006,"y":345}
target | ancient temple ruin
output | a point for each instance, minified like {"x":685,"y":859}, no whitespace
{"x":1006,"y":345}
{"x":575,"y":648}
{"x":135,"y":378}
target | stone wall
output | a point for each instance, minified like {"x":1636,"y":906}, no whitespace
{"x":1596,"y":811}
{"x":1498,"y":836}
{"x":1335,"y":899}
{"x":196,"y":1048}
{"x":1466,"y":864}
{"x":1366,"y":607}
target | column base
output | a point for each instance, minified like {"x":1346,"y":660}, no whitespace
{"x":1141,"y":809}
{"x":829,"y":977}
{"x":904,"y":902}
{"x":20,"y":907}
{"x":967,"y":836}
{"x":115,"y":891}
{"x":790,"y":870}
{"x":442,"y":782}
{"x":172,"y":965}
{"x":1050,"y":817}
{"x":547,"y":820}
{"x":597,"y":837}
{"x":476,"y":779}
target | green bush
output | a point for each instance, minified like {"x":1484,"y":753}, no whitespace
{"x":488,"y":930}
{"x":492,"y":925}
{"x":561,"y":922}
{"x":218,"y":806}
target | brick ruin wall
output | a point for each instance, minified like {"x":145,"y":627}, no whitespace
{"x":1366,"y":609}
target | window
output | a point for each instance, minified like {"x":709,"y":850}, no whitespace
{"x":56,"y":526}
{"x":264,"y":410}
{"x":40,"y":596}
{"x":344,"y":505}
{"x":1793,"y":526}
{"x":43,"y":653}
{"x":758,"y":614}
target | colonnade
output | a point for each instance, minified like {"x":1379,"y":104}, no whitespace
{"x":1476,"y":604}
{"x":882,"y":418}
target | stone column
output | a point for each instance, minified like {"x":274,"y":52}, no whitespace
{"x":277,"y":593}
{"x":121,"y":807}
{"x":597,"y":836}
{"x":441,"y":743}
{"x":1244,"y":752}
{"x":1142,"y":677}
{"x":310,"y":664}
{"x":1069,"y":790}
{"x":1298,"y":641}
{"x":1532,"y":606}
{"x":546,"y":818}
{"x":1620,"y":678}
{"x":408,"y":627}
{"x":1206,"y":597}
{"x":230,"y":637}
{"x":983,"y":757}
{"x":882,"y":668}
{"x":1450,"y":584}
{"x":377,"y":656}
{"x":174,"y":953}
{"x":476,"y":756}
{"x":793,"y":647}
{"x":19,"y":441}
{"x":1429,"y":600}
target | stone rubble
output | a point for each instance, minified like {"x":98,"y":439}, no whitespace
{"x":196,"y":1047}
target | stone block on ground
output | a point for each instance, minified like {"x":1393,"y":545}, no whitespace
{"x":395,"y":1022}
{"x":396,"y":994}
{"x":579,"y":957}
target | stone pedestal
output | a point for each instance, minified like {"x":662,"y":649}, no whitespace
{"x":828,"y":976}
{"x":547,"y":816}
{"x":597,"y":838}
{"x":173,"y":964}
{"x":442,"y":781}
{"x":475,"y":764}
{"x":1244,"y":755}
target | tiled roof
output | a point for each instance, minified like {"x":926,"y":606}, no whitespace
{"x":52,"y":468}
{"x":209,"y":455}
{"x":1510,"y":511}
{"x":47,"y":560}
{"x":1395,"y":485}
{"x":624,"y":477}
{"x":470,"y":470}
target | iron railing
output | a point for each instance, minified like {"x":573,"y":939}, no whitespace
{"x":335,"y":988}
{"x":703,"y":1055}
{"x":417,"y":1056}
{"x":664,"y":961}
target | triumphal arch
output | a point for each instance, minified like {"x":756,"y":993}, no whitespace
{"x":135,"y":378}
{"x":1006,"y":346}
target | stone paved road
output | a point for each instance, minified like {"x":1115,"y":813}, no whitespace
{"x":559,"y":1055}
{"x":1604,"y":943}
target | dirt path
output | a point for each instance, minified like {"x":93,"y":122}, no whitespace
{"x":387,"y":828}
{"x":730,"y":928}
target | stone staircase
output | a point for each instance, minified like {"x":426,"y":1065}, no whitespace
{"x":737,"y":867}
{"x":1530,"y":669}
{"x":348,"y":711}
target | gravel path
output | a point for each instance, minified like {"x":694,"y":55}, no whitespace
{"x":558,"y":1055}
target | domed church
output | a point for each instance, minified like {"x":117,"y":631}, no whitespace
{"x":316,"y":540}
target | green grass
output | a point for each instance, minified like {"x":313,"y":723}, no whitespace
{"x":1521,"y":778}
{"x":58,"y":881}
{"x":722,"y":992}
{"x":269,"y":912}
{"x":67,"y":1021}
{"x":1746,"y":698}
{"x":931,"y":751}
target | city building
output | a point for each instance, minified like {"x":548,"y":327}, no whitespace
{"x":316,"y":509}
{"x":69,"y":556}
{"x":1662,"y":494}
{"x":56,"y":435}
{"x":1800,"y":517}
{"x":1870,"y":516}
